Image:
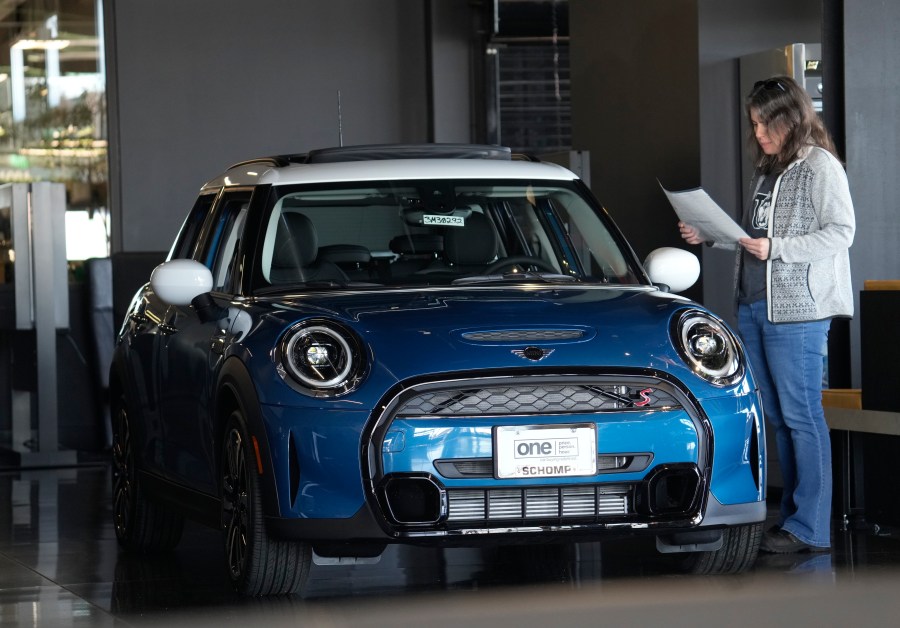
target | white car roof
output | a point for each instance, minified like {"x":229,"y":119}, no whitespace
{"x":269,"y":171}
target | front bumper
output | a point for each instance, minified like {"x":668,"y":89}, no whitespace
{"x":425,"y":471}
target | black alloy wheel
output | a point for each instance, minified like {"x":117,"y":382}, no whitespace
{"x":236,"y":510}
{"x":122,"y":474}
{"x":141,"y":524}
{"x":257,"y":563}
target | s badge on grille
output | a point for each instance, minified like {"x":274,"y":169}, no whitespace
{"x":535,"y":354}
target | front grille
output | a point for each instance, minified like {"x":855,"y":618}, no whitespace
{"x":567,"y":502}
{"x":528,"y":399}
{"x":537,"y":399}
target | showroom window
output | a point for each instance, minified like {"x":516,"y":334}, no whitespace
{"x":529,"y":104}
{"x":53,"y":111}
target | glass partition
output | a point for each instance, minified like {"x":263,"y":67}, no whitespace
{"x":53,"y":111}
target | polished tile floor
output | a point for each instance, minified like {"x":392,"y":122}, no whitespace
{"x":60,"y":566}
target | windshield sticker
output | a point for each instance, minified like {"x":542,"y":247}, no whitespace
{"x":443,"y":221}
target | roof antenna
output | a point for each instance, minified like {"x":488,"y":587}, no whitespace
{"x":340,"y":121}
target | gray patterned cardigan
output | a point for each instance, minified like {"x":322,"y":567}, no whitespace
{"x":811,"y":229}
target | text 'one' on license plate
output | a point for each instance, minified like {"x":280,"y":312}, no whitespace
{"x":545,"y":451}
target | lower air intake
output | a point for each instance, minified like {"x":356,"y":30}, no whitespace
{"x":571,"y":502}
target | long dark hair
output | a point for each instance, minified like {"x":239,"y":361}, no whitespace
{"x":783,"y":106}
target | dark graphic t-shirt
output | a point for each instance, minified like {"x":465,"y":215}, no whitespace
{"x":756,"y":224}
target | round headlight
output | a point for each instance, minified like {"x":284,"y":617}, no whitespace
{"x":323,"y":358}
{"x":709,"y":348}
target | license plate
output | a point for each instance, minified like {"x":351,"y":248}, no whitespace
{"x":545,"y":451}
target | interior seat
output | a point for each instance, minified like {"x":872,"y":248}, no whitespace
{"x":416,"y":252}
{"x":354,"y":259}
{"x":473,"y":247}
{"x":294,"y":258}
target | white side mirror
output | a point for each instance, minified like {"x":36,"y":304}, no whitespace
{"x":178,"y":281}
{"x":676,"y":268}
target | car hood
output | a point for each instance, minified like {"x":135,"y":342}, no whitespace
{"x":436,"y":331}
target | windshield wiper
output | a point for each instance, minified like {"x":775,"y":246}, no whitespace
{"x":517,"y":278}
{"x":301,"y":285}
{"x":325,"y":283}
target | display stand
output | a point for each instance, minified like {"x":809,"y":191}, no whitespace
{"x":40,"y":276}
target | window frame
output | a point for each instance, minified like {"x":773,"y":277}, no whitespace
{"x":229,"y":213}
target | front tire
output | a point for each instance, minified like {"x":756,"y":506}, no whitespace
{"x":740,"y":546}
{"x":257,"y":563}
{"x":141,"y":524}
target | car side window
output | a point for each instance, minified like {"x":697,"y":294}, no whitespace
{"x":186,"y":242}
{"x":225,"y":236}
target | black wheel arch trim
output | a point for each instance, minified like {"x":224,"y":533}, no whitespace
{"x":235,"y":380}
{"x":121,"y":383}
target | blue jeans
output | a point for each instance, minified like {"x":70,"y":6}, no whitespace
{"x":787,"y":364}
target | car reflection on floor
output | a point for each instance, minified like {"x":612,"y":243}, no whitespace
{"x":59,"y":561}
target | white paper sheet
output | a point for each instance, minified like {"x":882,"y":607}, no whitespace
{"x":698,"y":209}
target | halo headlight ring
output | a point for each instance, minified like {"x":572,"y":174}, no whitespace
{"x":321,"y":358}
{"x":708,"y":347}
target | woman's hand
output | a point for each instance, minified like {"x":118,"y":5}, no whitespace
{"x":690,"y":234}
{"x":757,"y":247}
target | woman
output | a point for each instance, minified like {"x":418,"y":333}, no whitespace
{"x":792,"y":277}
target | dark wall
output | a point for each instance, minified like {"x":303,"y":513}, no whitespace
{"x":636,"y":108}
{"x":455,"y":41}
{"x":872,"y":103}
{"x":196,"y":86}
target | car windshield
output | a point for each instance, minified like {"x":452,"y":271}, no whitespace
{"x":437,"y":232}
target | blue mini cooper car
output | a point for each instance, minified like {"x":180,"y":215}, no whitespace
{"x":430,"y":344}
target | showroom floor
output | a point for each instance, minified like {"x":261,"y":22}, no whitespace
{"x":60,"y":566}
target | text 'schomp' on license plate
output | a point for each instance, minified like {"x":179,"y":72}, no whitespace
{"x":545,"y":451}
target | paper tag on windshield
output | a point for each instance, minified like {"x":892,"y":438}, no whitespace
{"x":443,"y":220}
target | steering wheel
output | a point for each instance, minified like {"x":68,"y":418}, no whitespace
{"x":518,"y":260}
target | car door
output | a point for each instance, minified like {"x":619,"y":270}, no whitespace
{"x":192,"y":352}
{"x":146,"y":330}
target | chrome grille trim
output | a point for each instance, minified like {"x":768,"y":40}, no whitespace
{"x":611,"y":462}
{"x":466,"y":505}
{"x":568,"y":502}
{"x":578,"y":501}
{"x":525,"y":399}
{"x":484,"y":467}
{"x":504,"y":504}
{"x":541,"y":503}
